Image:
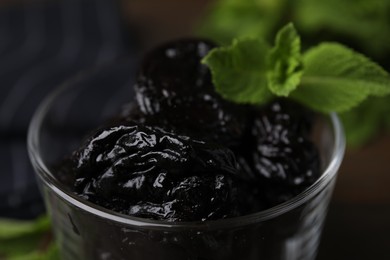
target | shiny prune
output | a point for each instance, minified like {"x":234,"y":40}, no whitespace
{"x":171,"y":74}
{"x":282,"y":121}
{"x":147,"y":172}
{"x":277,"y":150}
{"x":174,"y":90}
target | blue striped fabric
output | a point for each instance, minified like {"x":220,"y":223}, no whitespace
{"x":41,"y":45}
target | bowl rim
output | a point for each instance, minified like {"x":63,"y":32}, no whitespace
{"x":47,"y":177}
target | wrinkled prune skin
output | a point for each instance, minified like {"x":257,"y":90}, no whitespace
{"x":174,"y":90}
{"x":278,"y":152}
{"x":147,"y":172}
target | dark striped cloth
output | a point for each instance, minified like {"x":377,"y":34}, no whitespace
{"x":42,"y":44}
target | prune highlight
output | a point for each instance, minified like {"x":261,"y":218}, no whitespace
{"x":174,"y":90}
{"x":146,"y":172}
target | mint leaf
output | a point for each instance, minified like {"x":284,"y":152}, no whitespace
{"x":363,"y":122}
{"x":285,"y":62}
{"x":20,"y":246}
{"x":26,"y":240}
{"x":51,"y":253}
{"x":15,"y":228}
{"x":229,"y":19}
{"x":239,"y":71}
{"x":337,"y":78}
{"x":357,"y":22}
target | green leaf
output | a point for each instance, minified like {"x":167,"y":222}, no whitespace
{"x":239,"y":71}
{"x":355,"y":22}
{"x":285,"y":62}
{"x":337,"y":78}
{"x":25,"y":240}
{"x":15,"y":228}
{"x":51,"y":253}
{"x":364,"y":121}
{"x":20,"y":246}
{"x":229,"y":19}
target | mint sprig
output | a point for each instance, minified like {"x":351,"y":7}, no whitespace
{"x":27,"y":240}
{"x":228,"y":19}
{"x":329,"y":77}
{"x":10,"y":228}
{"x":364,"y":23}
{"x":240,"y":71}
{"x":285,"y":65}
{"x":337,"y":78}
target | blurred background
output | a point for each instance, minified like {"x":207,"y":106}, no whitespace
{"x":45,"y":42}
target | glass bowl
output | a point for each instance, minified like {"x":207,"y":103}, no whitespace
{"x":289,"y":231}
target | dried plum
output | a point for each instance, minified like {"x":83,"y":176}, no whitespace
{"x":172,"y":75}
{"x":278,"y":152}
{"x":174,"y":90}
{"x":281,"y":121}
{"x":147,"y":172}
